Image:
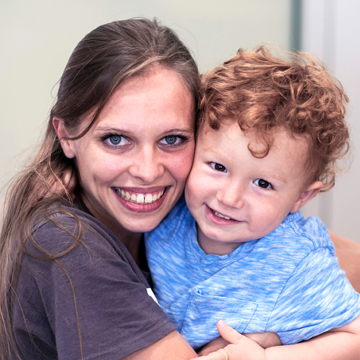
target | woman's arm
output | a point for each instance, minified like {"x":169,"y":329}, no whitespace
{"x":172,"y":346}
{"x":348,"y":253}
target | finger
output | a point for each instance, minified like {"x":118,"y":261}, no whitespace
{"x":228,"y":333}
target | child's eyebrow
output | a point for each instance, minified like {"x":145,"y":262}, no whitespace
{"x":278,"y":177}
{"x":211,"y":150}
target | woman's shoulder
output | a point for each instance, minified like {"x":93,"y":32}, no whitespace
{"x":59,"y":214}
{"x":60,"y":227}
{"x":81,"y":243}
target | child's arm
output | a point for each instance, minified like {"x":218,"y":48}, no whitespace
{"x":337,"y":344}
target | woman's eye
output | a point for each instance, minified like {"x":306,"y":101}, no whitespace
{"x":116,"y":140}
{"x":171,"y":140}
{"x":263,"y":184}
{"x":218,"y":167}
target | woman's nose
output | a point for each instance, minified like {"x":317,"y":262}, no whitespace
{"x":147,"y":165}
{"x":232,"y":194}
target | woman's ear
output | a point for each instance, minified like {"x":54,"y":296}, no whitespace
{"x":63,"y":135}
{"x":307,"y":195}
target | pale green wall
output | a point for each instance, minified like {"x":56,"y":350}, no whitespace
{"x":37,"y":37}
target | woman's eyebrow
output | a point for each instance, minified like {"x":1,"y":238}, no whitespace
{"x":185,"y":129}
{"x":109,"y":128}
{"x":124,"y":130}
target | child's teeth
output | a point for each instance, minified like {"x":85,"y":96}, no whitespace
{"x":221,"y":216}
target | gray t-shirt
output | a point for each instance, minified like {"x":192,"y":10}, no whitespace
{"x":116,"y":314}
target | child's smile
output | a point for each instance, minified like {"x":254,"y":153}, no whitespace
{"x":220,"y":218}
{"x":236,"y":197}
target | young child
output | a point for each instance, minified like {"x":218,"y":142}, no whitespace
{"x":270,"y":134}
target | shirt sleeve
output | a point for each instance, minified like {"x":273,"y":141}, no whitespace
{"x":90,"y":303}
{"x":316,"y":298}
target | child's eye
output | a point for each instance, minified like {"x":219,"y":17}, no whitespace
{"x":116,"y":140}
{"x":218,"y":167}
{"x":172,"y":140}
{"x":263,"y":184}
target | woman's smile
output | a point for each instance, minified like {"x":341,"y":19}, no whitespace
{"x":142,"y":197}
{"x":141,"y":201}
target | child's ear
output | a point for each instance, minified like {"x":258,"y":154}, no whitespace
{"x":63,"y":135}
{"x":307,"y":195}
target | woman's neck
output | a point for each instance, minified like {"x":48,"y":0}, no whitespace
{"x":130,"y":239}
{"x":132,"y":243}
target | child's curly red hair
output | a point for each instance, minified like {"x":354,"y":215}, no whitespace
{"x":264,"y":93}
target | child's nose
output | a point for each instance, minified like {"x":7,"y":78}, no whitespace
{"x":232,"y":195}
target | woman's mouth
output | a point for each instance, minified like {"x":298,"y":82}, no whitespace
{"x":140,"y":198}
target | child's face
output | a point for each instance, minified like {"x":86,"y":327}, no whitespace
{"x":236,"y":197}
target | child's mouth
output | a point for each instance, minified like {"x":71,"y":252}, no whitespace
{"x":221,"y":216}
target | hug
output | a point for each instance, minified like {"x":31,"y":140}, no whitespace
{"x":114,"y":165}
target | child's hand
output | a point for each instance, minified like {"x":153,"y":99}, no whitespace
{"x":264,"y":339}
{"x":240,"y":347}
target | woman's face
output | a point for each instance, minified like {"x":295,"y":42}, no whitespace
{"x":134,"y":161}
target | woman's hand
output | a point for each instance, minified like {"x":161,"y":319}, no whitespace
{"x":240,"y":347}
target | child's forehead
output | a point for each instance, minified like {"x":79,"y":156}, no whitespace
{"x":229,"y":126}
{"x":221,"y":126}
{"x":260,"y":144}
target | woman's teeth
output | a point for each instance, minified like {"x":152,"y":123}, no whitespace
{"x":140,"y":198}
{"x":221,"y":215}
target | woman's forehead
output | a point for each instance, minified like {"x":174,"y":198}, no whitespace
{"x":159,"y":99}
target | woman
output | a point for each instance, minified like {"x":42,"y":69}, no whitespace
{"x":116,"y":154}
{"x":125,"y":119}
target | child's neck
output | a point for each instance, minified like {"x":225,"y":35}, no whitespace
{"x":215,"y":247}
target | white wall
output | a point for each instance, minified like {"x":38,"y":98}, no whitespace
{"x":331,"y":30}
{"x":37,"y":37}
